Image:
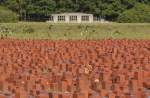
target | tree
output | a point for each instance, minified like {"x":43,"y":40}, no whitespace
{"x":41,"y":9}
{"x":1,"y":2}
{"x":140,"y":13}
{"x":31,"y":8}
{"x":7,"y":15}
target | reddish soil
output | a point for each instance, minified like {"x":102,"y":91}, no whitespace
{"x":74,"y":69}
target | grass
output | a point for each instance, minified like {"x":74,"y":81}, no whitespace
{"x":41,"y":30}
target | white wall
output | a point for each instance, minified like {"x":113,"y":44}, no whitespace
{"x":67,"y":18}
{"x":55,"y":18}
{"x":91,"y":18}
{"x":79,"y":18}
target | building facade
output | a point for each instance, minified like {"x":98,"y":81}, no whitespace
{"x":71,"y":18}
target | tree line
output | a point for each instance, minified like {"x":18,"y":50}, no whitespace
{"x":112,"y":10}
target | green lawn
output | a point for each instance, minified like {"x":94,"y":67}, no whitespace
{"x":41,"y":30}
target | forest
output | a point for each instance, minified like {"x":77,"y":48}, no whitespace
{"x":112,"y":10}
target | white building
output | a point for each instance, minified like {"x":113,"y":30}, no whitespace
{"x":71,"y":18}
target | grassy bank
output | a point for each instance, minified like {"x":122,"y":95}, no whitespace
{"x":41,"y":30}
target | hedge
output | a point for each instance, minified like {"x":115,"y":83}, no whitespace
{"x":7,"y":15}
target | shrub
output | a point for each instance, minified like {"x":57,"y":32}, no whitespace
{"x":4,"y":30}
{"x":139,"y":14}
{"x":28,"y":29}
{"x":115,"y":34}
{"x":50,"y":27}
{"x":79,"y":26}
{"x":7,"y":15}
